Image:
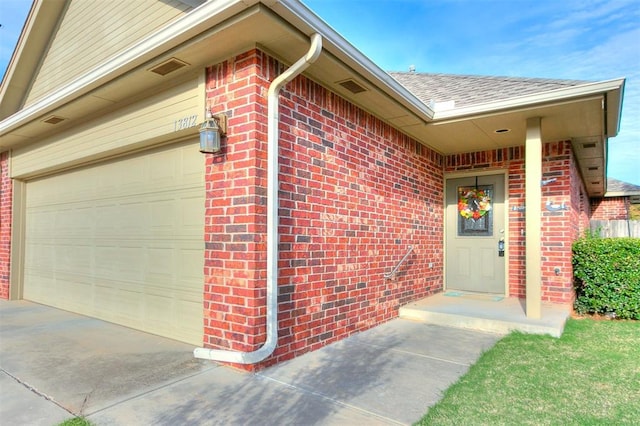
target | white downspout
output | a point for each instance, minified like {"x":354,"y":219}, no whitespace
{"x":272,"y":217}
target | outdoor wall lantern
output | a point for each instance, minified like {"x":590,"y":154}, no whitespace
{"x":211,"y":132}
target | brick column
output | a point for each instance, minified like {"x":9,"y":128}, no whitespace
{"x":6,"y":205}
{"x":235,"y":225}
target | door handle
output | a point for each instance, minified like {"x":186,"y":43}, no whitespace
{"x":501,"y":247}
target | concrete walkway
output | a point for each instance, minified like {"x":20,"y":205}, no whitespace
{"x":55,"y":364}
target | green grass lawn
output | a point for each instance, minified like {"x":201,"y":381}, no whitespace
{"x":76,"y":421}
{"x":590,"y":376}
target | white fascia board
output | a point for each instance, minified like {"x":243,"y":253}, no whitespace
{"x":207,"y":15}
{"x":615,"y":116}
{"x":621,"y":194}
{"x":381,"y":78}
{"x":543,"y":98}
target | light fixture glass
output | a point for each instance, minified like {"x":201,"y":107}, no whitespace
{"x":210,"y":135}
{"x":211,"y":132}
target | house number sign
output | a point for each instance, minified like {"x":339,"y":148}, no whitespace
{"x":185,"y":122}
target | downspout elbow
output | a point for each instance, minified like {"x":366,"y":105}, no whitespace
{"x":272,"y":216}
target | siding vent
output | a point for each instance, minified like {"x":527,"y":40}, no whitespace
{"x":54,"y":119}
{"x":168,"y":66}
{"x":589,"y":145}
{"x":595,"y":183}
{"x":593,"y":168}
{"x":352,"y":86}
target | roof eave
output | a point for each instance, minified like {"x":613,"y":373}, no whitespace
{"x":614,"y":107}
{"x":32,"y":42}
{"x":613,"y":88}
{"x":294,"y":10}
{"x":621,"y":193}
{"x":207,"y":15}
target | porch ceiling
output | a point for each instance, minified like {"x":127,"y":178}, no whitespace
{"x":581,"y":122}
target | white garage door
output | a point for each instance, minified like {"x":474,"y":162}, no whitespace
{"x":122,"y":241}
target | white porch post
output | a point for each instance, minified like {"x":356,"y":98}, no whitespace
{"x":533,"y":196}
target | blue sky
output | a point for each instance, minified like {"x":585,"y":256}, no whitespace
{"x":572,"y":39}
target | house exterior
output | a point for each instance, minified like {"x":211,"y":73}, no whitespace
{"x":341,"y":192}
{"x":617,"y":202}
{"x":617,"y":214}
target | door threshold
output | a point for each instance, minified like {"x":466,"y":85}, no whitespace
{"x":496,"y":297}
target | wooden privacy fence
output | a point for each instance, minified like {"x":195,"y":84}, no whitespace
{"x":616,"y":228}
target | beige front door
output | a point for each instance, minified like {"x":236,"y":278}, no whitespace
{"x":475,"y":226}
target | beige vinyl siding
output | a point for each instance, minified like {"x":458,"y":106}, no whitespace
{"x":92,"y":31}
{"x":146,"y":122}
{"x":122,"y":241}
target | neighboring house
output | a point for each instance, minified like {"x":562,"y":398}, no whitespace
{"x":617,"y":214}
{"x":110,"y":210}
{"x":617,"y":202}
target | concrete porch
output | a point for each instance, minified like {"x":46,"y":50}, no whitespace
{"x":489,"y":313}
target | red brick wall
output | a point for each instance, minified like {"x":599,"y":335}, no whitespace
{"x":610,"y":208}
{"x":354,"y":194}
{"x":581,"y":203}
{"x":235,"y":223}
{"x":5,"y":224}
{"x":559,"y":228}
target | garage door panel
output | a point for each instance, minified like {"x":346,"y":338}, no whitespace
{"x":163,"y":215}
{"x":131,"y":263}
{"x":73,"y":290}
{"x":107,"y":259}
{"x":162,"y":266}
{"x":164,"y":176}
{"x":190,"y":219}
{"x":122,"y":241}
{"x":43,"y":224}
{"x":188,"y":265}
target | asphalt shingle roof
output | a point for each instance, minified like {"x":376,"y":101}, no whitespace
{"x":466,"y":90}
{"x":615,"y":185}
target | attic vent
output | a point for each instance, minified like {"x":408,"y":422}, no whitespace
{"x":595,"y":183}
{"x":54,"y":119}
{"x":168,"y":66}
{"x":352,"y":86}
{"x":589,"y":145}
{"x":593,"y":168}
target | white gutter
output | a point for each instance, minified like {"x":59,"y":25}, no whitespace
{"x":272,"y":216}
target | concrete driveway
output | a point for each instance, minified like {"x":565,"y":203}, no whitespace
{"x":56,"y":365}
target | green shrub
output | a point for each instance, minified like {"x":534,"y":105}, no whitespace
{"x":607,"y":276}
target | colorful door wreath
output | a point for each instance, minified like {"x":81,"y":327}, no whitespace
{"x":473,"y":203}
